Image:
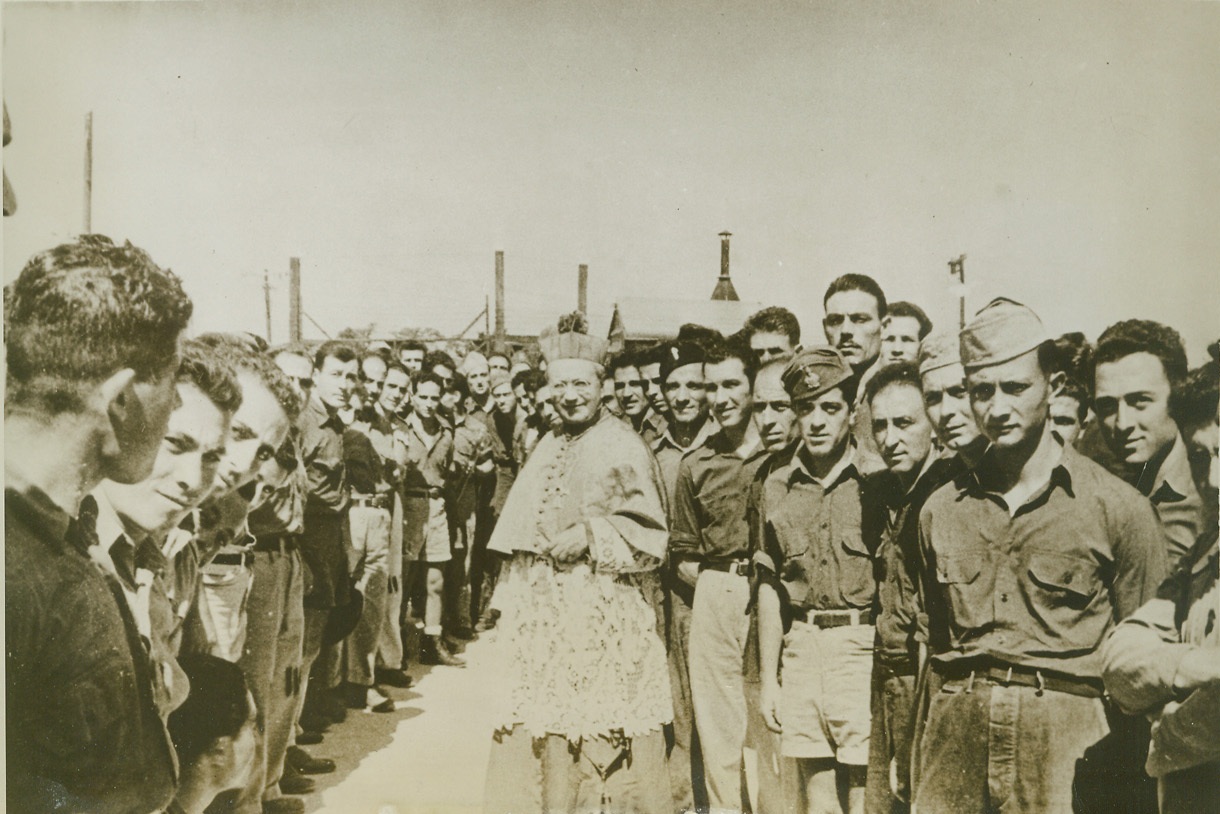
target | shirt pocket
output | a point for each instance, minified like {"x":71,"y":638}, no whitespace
{"x":1062,"y":593}
{"x":857,"y":577}
{"x":958,"y":573}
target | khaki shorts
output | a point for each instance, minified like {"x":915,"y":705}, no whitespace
{"x":437,"y":548}
{"x":824,"y":700}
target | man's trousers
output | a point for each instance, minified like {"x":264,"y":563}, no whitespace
{"x":368,"y":561}
{"x":893,"y":708}
{"x":389,"y":643}
{"x":1004,"y":749}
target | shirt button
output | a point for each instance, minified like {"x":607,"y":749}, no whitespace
{"x":825,"y":598}
{"x":824,"y":562}
{"x":1003,"y":597}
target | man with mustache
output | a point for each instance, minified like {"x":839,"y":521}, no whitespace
{"x":855,"y":307}
{"x":91,"y":336}
{"x":816,"y":591}
{"x":1031,"y":558}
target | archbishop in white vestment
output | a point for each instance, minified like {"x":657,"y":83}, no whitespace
{"x":585,"y":682}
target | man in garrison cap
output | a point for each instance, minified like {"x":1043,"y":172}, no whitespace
{"x":1031,"y":558}
{"x":583,"y":665}
{"x":816,"y":590}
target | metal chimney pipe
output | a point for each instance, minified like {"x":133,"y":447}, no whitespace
{"x":724,"y":253}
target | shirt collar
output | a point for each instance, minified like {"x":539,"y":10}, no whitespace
{"x":1063,"y":475}
{"x":718,"y":442}
{"x":1173,"y":479}
{"x":49,"y":521}
{"x":844,"y":468}
{"x":666,"y":438}
{"x":324,"y":415}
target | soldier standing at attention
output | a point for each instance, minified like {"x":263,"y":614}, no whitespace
{"x":816,"y":593}
{"x":1030,"y":560}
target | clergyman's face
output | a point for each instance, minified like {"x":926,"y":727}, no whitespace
{"x":576,"y":390}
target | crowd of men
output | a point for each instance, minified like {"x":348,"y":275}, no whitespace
{"x":892,"y":569}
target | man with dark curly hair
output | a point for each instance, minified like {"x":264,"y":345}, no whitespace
{"x":91,"y":335}
{"x":1137,"y":367}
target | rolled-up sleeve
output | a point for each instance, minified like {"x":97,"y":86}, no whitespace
{"x":1141,"y":656}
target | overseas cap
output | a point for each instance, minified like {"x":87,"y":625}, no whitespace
{"x":939,"y":350}
{"x":680,"y":354}
{"x":1004,"y":329}
{"x":813,"y":371}
{"x":500,"y":377}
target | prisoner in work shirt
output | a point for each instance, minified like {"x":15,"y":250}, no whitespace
{"x":809,"y":536}
{"x":325,"y":503}
{"x":1041,"y":588}
{"x":708,"y":510}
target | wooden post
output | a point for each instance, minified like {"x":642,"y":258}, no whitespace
{"x":267,"y":301}
{"x":500,"y":332}
{"x":957,"y":268}
{"x":294,"y":300}
{"x":582,"y":289}
{"x":89,"y":172}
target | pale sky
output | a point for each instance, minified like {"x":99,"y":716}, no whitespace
{"x":1070,"y":150}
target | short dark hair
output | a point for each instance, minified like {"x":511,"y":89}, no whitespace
{"x":262,"y":366}
{"x":857,"y":282}
{"x":428,"y":377}
{"x":1195,"y":403}
{"x":82,"y":311}
{"x":216,"y":707}
{"x":774,"y":319}
{"x":898,"y":373}
{"x":438,"y":358}
{"x":1142,"y":336}
{"x":622,"y":360}
{"x":207,"y":368}
{"x":460,"y":385}
{"x":699,"y":334}
{"x":334,"y":349}
{"x":654,"y":355}
{"x":724,"y":350}
{"x":397,"y":366}
{"x":1072,"y":355}
{"x":902,"y":308}
{"x":532,"y":380}
{"x":412,"y":344}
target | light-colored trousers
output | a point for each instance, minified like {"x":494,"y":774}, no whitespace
{"x":735,"y":743}
{"x":221,"y":604}
{"x":389,"y":645}
{"x":368,"y":561}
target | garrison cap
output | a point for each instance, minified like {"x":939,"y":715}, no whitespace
{"x":941,"y":349}
{"x":1004,"y":329}
{"x":680,"y":354}
{"x":500,"y":377}
{"x":813,"y":371}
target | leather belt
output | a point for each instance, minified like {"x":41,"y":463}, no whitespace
{"x":383,"y":500}
{"x":1018,"y":676}
{"x":739,"y":567}
{"x":833,"y":618}
{"x":236,"y":558}
{"x":431,"y":491}
{"x":282,"y":543}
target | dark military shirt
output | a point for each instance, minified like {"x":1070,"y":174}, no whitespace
{"x":1171,"y":488}
{"x":1041,"y":588}
{"x":669,"y":453}
{"x":708,"y":515}
{"x":809,"y":536}
{"x":364,"y":469}
{"x":891,"y":528}
{"x":83,"y":731}
{"x":322,"y":454}
{"x":429,"y":462}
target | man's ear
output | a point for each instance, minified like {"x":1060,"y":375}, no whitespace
{"x":114,"y":395}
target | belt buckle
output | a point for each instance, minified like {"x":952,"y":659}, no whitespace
{"x":741,"y":569}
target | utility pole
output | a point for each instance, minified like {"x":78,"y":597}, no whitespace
{"x":582,"y":289}
{"x":957,"y":268}
{"x":267,"y":301}
{"x":89,"y":173}
{"x":500,"y":332}
{"x":294,"y":300}
{"x":487,"y":323}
